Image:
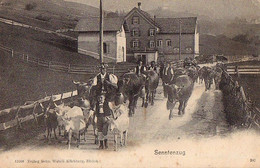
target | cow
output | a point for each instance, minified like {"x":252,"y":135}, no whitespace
{"x":86,"y":91}
{"x":200,"y":75}
{"x":51,"y":123}
{"x":132,"y":86}
{"x":217,"y":76}
{"x":192,"y":73}
{"x":119,"y":124}
{"x":151,"y":84}
{"x":73,"y":120}
{"x":180,"y":91}
{"x":50,"y":118}
{"x":208,"y":75}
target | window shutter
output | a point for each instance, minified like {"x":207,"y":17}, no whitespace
{"x":139,"y":32}
{"x":149,"y":32}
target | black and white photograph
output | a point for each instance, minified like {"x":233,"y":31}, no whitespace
{"x":130,"y":83}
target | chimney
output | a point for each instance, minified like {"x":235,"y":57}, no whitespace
{"x":139,"y":5}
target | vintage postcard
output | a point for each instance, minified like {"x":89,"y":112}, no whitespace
{"x":129,"y":83}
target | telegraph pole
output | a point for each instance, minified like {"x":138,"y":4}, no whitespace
{"x":101,"y":33}
{"x":180,"y":39}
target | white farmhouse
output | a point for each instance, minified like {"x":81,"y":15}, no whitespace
{"x":114,"y":39}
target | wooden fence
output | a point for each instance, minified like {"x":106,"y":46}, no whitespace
{"x":244,"y":69}
{"x":117,"y":69}
{"x":239,"y":109}
{"x":17,"y":115}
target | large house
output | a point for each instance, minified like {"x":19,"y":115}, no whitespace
{"x":158,"y":39}
{"x":114,"y":38}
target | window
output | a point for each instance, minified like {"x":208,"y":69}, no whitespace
{"x":135,"y":20}
{"x":189,"y":49}
{"x":135,"y":32}
{"x":159,"y":43}
{"x":176,"y":50}
{"x":151,"y":32}
{"x":152,"y":44}
{"x":168,"y":43}
{"x":105,"y":48}
{"x":135,"y":44}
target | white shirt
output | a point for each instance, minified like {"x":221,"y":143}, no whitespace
{"x":166,"y":70}
{"x":112,"y":78}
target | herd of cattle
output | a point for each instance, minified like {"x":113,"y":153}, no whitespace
{"x":75,"y":119}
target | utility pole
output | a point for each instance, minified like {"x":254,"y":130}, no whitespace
{"x":180,"y":39}
{"x":101,"y":33}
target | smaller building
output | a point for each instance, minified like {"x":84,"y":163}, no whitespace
{"x":114,"y":39}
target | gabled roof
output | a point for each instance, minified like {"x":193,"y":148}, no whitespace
{"x":92,"y":24}
{"x":146,"y":15}
{"x":172,"y":25}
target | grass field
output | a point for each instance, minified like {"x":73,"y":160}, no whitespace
{"x":42,"y":45}
{"x":20,"y":82}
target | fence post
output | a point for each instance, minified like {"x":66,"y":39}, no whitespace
{"x":19,"y":125}
{"x":27,"y":58}
{"x":34,"y":115}
{"x":69,"y":68}
{"x":49,"y":65}
{"x":12,"y":53}
{"x":71,"y":96}
{"x":38,"y":61}
{"x":61,"y":98}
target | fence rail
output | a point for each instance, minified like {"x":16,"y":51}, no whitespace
{"x":17,"y":115}
{"x":68,"y":68}
{"x":244,"y":69}
{"x":240,"y":110}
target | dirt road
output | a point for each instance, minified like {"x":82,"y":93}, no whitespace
{"x":204,"y":117}
{"x":200,"y":138}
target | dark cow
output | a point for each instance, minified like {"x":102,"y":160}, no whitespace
{"x":193,"y":73}
{"x":151,"y":84}
{"x":132,"y":86}
{"x":180,"y":92}
{"x":51,"y":121}
{"x":217,"y":76}
{"x":86,"y":91}
{"x":208,"y":75}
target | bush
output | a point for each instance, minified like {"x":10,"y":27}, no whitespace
{"x":30,"y":6}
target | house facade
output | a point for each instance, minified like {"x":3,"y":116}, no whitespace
{"x":160,"y":39}
{"x":114,"y":38}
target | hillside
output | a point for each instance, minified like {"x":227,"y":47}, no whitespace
{"x":51,"y":14}
{"x":210,"y":44}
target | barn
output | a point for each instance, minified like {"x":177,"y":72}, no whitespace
{"x":114,"y":38}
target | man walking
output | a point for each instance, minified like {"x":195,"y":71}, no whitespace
{"x":105,"y":84}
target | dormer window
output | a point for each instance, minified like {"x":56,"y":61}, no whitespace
{"x":135,"y":20}
{"x":151,"y":32}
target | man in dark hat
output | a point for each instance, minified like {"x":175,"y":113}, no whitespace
{"x":105,"y":83}
{"x":167,"y":76}
{"x":153,"y":66}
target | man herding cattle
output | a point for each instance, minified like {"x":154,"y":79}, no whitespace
{"x":167,"y":76}
{"x":105,"y":84}
{"x":140,"y":68}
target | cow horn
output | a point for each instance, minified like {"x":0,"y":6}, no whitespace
{"x":76,"y":83}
